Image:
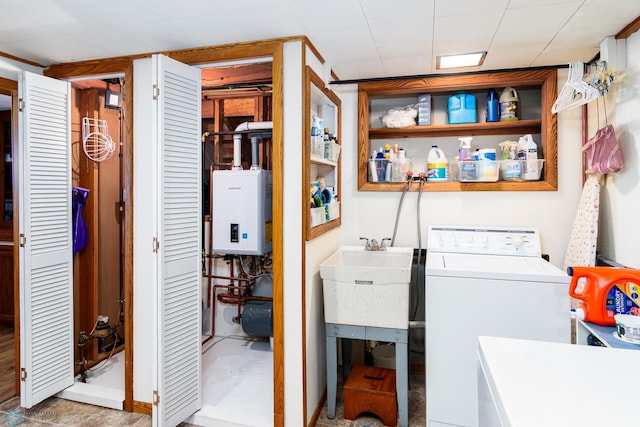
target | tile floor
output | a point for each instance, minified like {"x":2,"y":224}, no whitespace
{"x":417,"y":404}
{"x":61,"y":412}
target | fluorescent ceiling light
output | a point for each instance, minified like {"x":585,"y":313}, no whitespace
{"x":472,"y":59}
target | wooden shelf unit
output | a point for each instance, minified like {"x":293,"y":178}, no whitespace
{"x":317,"y":96}
{"x":544,"y":81}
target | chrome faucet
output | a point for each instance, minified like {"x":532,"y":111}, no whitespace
{"x":382,"y":245}
{"x":373,"y":245}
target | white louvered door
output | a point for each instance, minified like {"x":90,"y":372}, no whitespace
{"x":46,"y":263}
{"x":179,"y":303}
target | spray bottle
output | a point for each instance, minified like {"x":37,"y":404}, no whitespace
{"x":464,"y":152}
{"x":467,"y":167}
{"x":605,"y":292}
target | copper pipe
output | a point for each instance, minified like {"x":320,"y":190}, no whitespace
{"x":228,"y":298}
{"x":240,"y":279}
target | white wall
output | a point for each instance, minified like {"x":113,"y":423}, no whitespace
{"x":619,"y":230}
{"x":10,"y":69}
{"x":373,"y":214}
{"x":292,"y":235}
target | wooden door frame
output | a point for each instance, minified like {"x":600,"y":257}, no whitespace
{"x":199,"y":57}
{"x":10,"y":88}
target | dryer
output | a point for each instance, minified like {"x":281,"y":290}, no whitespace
{"x":480,"y":281}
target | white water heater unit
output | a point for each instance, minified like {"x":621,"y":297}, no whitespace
{"x":241,"y":211}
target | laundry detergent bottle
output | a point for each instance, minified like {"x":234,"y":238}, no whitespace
{"x":509,"y":105}
{"x":605,"y":292}
{"x":492,"y":113}
{"x":437,"y":165}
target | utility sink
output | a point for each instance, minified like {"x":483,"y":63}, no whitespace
{"x":367,"y":288}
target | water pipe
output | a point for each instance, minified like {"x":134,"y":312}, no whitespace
{"x":237,"y":139}
{"x":404,"y":191}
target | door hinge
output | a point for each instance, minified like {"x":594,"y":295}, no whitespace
{"x":156,"y":92}
{"x":156,"y":397}
{"x":23,"y":240}
{"x":20,"y":104}
{"x":23,"y":374}
{"x":156,"y":245}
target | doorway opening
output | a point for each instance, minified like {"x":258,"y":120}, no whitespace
{"x":98,"y":143}
{"x":237,"y":291}
{"x":8,"y":341}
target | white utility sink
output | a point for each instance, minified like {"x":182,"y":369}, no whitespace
{"x":367,"y":288}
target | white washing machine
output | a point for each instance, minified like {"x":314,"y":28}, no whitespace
{"x":483,"y":281}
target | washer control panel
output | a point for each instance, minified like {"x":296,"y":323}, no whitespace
{"x":484,"y":240}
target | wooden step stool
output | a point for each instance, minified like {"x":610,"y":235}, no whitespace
{"x":373,"y":390}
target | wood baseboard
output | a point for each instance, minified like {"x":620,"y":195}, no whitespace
{"x":142,"y":407}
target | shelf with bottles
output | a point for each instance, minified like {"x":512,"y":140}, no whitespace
{"x":322,"y":156}
{"x":536,"y":90}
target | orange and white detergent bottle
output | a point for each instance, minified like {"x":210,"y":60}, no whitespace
{"x":605,"y":292}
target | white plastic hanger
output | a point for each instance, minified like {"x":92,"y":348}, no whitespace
{"x":576,"y":91}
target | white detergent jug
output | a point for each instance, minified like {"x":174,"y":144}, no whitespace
{"x":508,"y":104}
{"x":437,"y":165}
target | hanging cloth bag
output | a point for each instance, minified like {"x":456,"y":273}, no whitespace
{"x":602,"y":150}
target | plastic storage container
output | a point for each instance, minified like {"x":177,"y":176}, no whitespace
{"x":461,"y":108}
{"x":477,"y":171}
{"x":605,"y":292}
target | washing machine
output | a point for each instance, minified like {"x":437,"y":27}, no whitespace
{"x":483,"y":281}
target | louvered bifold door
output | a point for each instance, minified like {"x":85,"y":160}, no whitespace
{"x":179,"y":309}
{"x":46,"y":266}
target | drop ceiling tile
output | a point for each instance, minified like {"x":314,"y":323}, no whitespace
{"x":112,"y":13}
{"x":468,"y":7}
{"x":358,"y":69}
{"x":342,"y":45}
{"x":548,"y":20}
{"x":53,"y":49}
{"x":404,"y":11}
{"x":266,"y":22}
{"x":397,"y":39}
{"x":416,"y":65}
{"x":344,"y":15}
{"x":211,"y":30}
{"x":157,"y":38}
{"x":167,"y":10}
{"x":246,"y":5}
{"x":564,"y":56}
{"x":477,"y":29}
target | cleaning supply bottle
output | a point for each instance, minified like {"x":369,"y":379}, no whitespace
{"x":437,"y":165}
{"x":492,"y":113}
{"x":509,"y":104}
{"x":399,"y":166}
{"x":467,"y":167}
{"x":528,"y":153}
{"x":605,"y":292}
{"x":464,"y":151}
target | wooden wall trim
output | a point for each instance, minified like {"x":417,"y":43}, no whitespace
{"x":629,"y":29}
{"x":142,"y":408}
{"x":278,"y":243}
{"x":24,"y":61}
{"x":7,"y":86}
{"x":237,"y":51}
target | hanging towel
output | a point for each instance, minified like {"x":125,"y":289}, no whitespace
{"x":584,"y":234}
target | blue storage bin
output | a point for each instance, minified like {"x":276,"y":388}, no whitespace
{"x":462,"y":108}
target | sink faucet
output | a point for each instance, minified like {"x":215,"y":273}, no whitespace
{"x":373,"y":245}
{"x":382,"y":245}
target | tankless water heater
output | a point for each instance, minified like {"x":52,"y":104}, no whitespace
{"x":241,"y":211}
